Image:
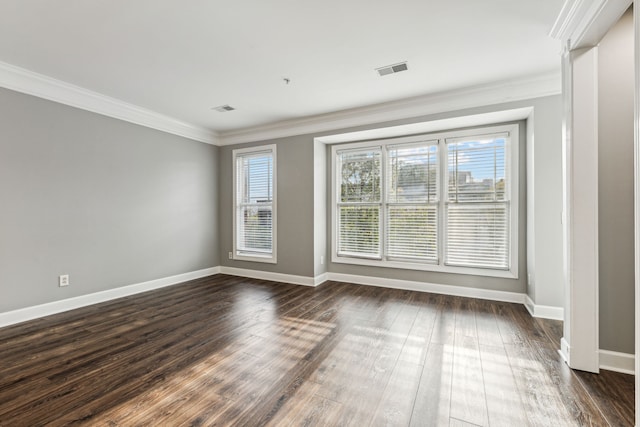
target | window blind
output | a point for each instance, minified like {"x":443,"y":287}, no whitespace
{"x":412,"y":197}
{"x":359,"y":203}
{"x":254,"y":203}
{"x":477,"y":211}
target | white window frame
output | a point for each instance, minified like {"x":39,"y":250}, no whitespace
{"x":237,"y":255}
{"x":513,"y":149}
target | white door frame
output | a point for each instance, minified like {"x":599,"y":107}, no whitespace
{"x":580,"y":341}
{"x":636,"y":198}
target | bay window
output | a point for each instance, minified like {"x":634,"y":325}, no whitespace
{"x":441,"y":202}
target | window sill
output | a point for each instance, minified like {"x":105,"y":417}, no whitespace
{"x":256,"y":258}
{"x":505,"y":274}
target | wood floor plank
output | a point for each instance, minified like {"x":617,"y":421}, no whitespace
{"x":396,"y":404}
{"x":226,"y":350}
{"x":433,"y":398}
{"x":611,"y":390}
{"x":305,"y":408}
{"x":445,"y":325}
{"x":504,"y":404}
{"x":487,"y":326}
{"x":542,"y":401}
{"x":468,"y":400}
{"x":417,"y":343}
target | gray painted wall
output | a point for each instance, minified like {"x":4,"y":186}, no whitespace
{"x":108,"y":202}
{"x":296,"y":208}
{"x":295,"y":201}
{"x":112,"y":204}
{"x":615,"y":182}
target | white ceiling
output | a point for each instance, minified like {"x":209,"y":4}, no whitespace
{"x":181,"y":58}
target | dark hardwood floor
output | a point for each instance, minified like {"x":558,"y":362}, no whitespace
{"x":225,"y":350}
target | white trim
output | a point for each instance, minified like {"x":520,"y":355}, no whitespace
{"x":565,"y":350}
{"x":580,"y":204}
{"x":319,"y":208}
{"x":271,"y":258}
{"x":320,"y":279}
{"x":543,"y":311}
{"x":583,"y":23}
{"x":29,"y":313}
{"x":274,"y":277}
{"x":31,"y":83}
{"x":410,"y":285}
{"x":636,"y":196}
{"x":617,"y":362}
{"x":567,"y":189}
{"x":470,"y":271}
{"x":476,"y":96}
{"x":565,"y":20}
{"x":474,"y":120}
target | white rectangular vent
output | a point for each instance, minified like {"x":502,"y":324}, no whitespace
{"x":223,"y":108}
{"x":391,"y":69}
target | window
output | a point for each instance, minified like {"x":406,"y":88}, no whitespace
{"x":254,"y":200}
{"x":443,"y":202}
{"x":477,"y":209}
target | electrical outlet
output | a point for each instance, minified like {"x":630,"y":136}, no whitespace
{"x":63,"y":280}
{"x":230,"y":255}
{"x":321,"y":259}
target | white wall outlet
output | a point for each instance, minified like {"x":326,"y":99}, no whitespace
{"x":321,"y":259}
{"x":230,"y":255}
{"x":63,"y":280}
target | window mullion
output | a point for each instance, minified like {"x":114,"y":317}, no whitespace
{"x":442,"y":202}
{"x":382,"y":225}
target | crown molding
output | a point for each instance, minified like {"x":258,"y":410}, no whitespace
{"x":31,"y":83}
{"x":488,"y":94}
{"x":567,"y":19}
{"x":583,"y":23}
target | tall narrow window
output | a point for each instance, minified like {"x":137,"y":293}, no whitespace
{"x":478,"y":202}
{"x":359,"y":203}
{"x":412,"y":202}
{"x":255,"y":204}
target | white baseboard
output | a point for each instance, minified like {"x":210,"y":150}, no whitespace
{"x":266,"y":275}
{"x":321,"y":278}
{"x":410,"y":285}
{"x":543,"y":311}
{"x":377,"y":281}
{"x":565,"y":348}
{"x":607,"y":360}
{"x":618,"y":362}
{"x":29,"y":313}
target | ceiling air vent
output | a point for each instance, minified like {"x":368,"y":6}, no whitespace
{"x":223,"y":108}
{"x":391,"y":69}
